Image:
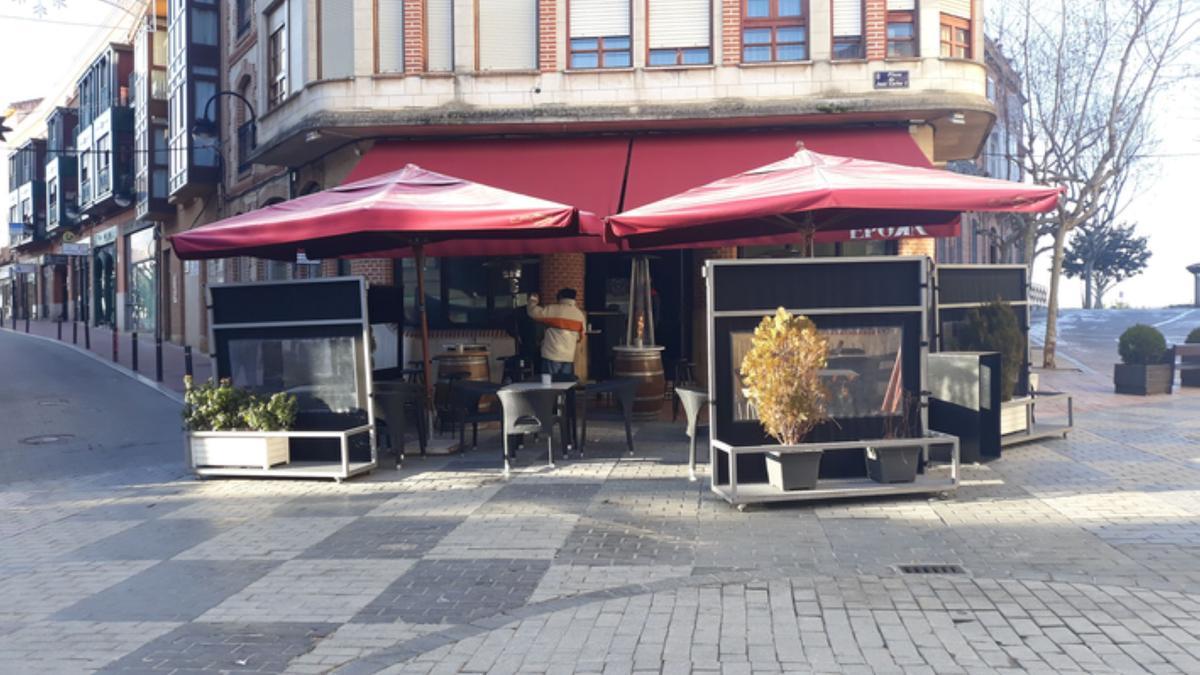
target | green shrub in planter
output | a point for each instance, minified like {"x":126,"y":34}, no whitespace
{"x":220,"y":406}
{"x":1143,"y":369}
{"x":994,"y":328}
{"x":1142,"y":345}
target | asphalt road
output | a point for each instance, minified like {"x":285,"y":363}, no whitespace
{"x":1088,"y":338}
{"x":63,"y":414}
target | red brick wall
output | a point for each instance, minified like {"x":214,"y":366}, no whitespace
{"x":566,"y":270}
{"x":547,"y":35}
{"x":876,"y":29}
{"x":414,"y":36}
{"x":377,"y":270}
{"x":562,"y":270}
{"x":731,"y":31}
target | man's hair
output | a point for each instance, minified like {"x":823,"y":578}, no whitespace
{"x":566,"y":294}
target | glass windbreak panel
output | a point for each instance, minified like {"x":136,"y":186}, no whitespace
{"x":863,"y":374}
{"x":320,"y":372}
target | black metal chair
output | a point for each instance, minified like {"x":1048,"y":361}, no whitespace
{"x":466,"y":397}
{"x":693,"y":401}
{"x":527,"y":412}
{"x":623,"y":391}
{"x":443,"y":406}
{"x":396,"y":402}
{"x":515,"y":369}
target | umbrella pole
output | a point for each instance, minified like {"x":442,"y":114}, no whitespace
{"x":426,"y":364}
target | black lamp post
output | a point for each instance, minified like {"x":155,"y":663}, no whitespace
{"x":206,"y":129}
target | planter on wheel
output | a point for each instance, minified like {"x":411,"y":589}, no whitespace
{"x":793,"y":470}
{"x":893,"y":464}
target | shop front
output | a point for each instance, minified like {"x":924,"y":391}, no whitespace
{"x":104,"y":277}
{"x":141,"y":280}
{"x":53,"y":289}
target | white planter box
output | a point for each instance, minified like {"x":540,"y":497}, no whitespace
{"x":1012,"y":417}
{"x":238,"y":448}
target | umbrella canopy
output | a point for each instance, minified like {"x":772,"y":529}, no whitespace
{"x":388,"y":214}
{"x":813,"y":192}
{"x":396,"y":214}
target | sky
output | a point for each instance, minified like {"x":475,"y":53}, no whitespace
{"x":1166,"y":210}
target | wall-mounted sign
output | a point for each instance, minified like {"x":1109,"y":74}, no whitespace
{"x":892,"y":232}
{"x":69,"y":237}
{"x":74,"y":249}
{"x":891,"y":79}
{"x":50,"y":259}
{"x":105,"y":237}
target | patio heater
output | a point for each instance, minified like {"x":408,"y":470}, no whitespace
{"x":640,"y":357}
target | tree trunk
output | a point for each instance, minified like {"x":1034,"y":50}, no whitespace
{"x":1030,"y":247}
{"x":1087,"y":286}
{"x":1051,"y":341}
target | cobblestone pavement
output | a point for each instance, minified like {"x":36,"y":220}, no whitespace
{"x":1080,"y":555}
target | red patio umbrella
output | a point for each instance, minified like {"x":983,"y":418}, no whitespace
{"x":397,"y":214}
{"x":813,"y":192}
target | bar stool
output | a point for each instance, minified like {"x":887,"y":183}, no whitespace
{"x":693,"y":401}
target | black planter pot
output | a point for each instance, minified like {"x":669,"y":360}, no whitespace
{"x":793,"y":470}
{"x":893,"y":464}
{"x":1142,"y":380}
{"x":1189,"y":378}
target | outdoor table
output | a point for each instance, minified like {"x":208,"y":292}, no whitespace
{"x":568,"y":433}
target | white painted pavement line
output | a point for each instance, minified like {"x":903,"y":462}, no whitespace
{"x":1174,"y":318}
{"x":165,"y":391}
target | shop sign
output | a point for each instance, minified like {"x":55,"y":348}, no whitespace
{"x":23,"y":268}
{"x":891,"y":79}
{"x":50,"y":259}
{"x":69,"y":237}
{"x":75,"y":249}
{"x":105,"y":237}
{"x":894,"y":232}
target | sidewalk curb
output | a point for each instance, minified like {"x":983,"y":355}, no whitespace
{"x":165,"y":391}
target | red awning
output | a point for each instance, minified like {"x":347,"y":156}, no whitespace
{"x":661,"y":166}
{"x":813,"y":191}
{"x":592,"y":172}
{"x":584,"y":172}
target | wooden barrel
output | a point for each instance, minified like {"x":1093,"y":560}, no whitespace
{"x":473,"y":365}
{"x":645,"y":366}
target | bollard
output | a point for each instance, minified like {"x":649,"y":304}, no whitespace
{"x":158,"y":374}
{"x":60,"y":330}
{"x":26,"y":323}
{"x":87,"y":336}
{"x":187,"y":360}
{"x":114,"y":345}
{"x":74,"y":332}
{"x":133,"y":335}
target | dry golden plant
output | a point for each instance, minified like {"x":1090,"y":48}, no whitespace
{"x":782,"y":376}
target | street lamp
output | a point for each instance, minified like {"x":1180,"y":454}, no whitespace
{"x":205,"y":131}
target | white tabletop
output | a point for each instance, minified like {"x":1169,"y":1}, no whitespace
{"x":533,"y":386}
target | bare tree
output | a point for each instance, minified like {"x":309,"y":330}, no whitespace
{"x":1092,"y":73}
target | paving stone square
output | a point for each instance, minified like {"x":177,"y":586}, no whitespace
{"x":157,"y":539}
{"x":455,"y":591}
{"x":384,"y":537}
{"x":172,"y":590}
{"x":223,"y":648}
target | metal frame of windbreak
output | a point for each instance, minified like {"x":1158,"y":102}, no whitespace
{"x":1031,"y":397}
{"x":346,"y":469}
{"x":924,"y":282}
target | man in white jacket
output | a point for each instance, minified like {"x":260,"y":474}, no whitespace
{"x":564,"y":330}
